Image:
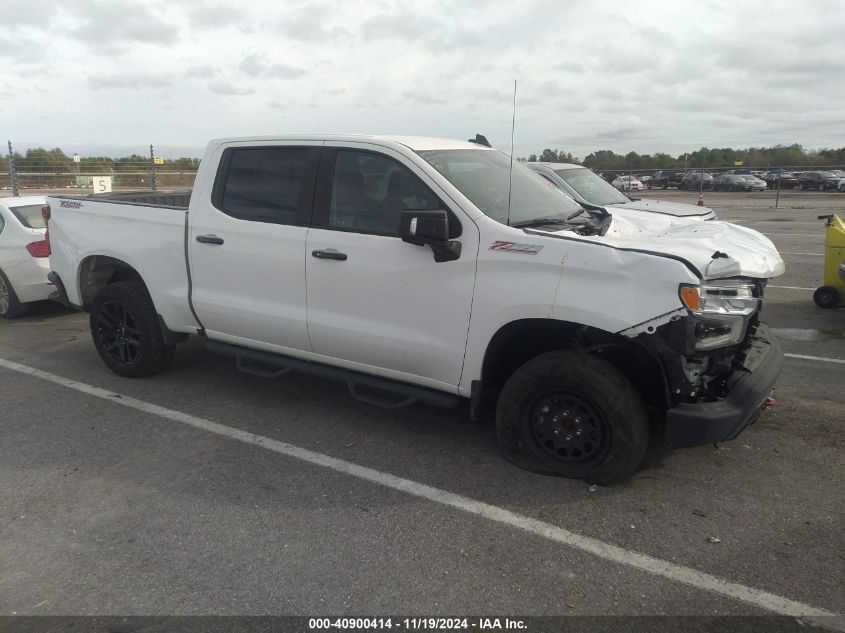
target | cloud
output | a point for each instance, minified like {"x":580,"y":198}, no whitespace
{"x":430,"y":31}
{"x":424,"y":99}
{"x":126,"y":82}
{"x":213,"y":16}
{"x":203,"y":72}
{"x":709,"y":73}
{"x":311,"y":22}
{"x":116,"y":25}
{"x":226,"y":88}
{"x":256,"y":65}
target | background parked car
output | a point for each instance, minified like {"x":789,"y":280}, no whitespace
{"x":735,"y":182}
{"x":820,"y":180}
{"x":664,"y":179}
{"x":24,"y":262}
{"x":589,"y":189}
{"x":693,"y":181}
{"x":628,"y":183}
{"x":780,"y":179}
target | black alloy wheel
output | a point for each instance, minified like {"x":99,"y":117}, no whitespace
{"x":117,"y":333}
{"x":126,"y":330}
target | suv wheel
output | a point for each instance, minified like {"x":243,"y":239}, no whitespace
{"x":570,"y":414}
{"x":126,"y":331}
{"x":800,"y":186}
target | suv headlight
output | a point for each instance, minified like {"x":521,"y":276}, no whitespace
{"x":721,"y":309}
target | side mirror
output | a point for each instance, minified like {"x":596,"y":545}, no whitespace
{"x":424,"y":227}
{"x":429,"y":228}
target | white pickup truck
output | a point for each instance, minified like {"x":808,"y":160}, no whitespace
{"x":426,"y":270}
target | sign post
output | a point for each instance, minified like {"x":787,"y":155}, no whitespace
{"x":152,"y":169}
{"x":13,"y":174}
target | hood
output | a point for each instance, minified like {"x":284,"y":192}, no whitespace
{"x":715,"y":249}
{"x":677,"y":209}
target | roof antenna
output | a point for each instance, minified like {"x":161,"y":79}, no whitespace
{"x":510,"y":173}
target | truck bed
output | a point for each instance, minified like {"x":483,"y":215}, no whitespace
{"x":176,"y":199}
{"x":142,"y":230}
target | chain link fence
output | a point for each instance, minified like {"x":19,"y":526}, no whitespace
{"x":29,"y":175}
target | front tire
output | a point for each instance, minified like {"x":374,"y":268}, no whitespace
{"x":572,"y":415}
{"x":126,"y":331}
{"x":10,"y":306}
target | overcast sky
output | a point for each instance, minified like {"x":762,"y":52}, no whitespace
{"x":643,"y":76}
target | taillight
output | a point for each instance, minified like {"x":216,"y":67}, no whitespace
{"x":45,"y":213}
{"x":39,"y":249}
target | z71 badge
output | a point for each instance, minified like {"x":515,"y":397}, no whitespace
{"x":70,"y":204}
{"x":514,"y":247}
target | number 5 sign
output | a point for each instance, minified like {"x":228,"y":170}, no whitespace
{"x":102,"y":184}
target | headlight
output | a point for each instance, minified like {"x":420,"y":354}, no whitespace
{"x":720,"y":309}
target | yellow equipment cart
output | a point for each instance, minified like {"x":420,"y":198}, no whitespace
{"x":832,"y":293}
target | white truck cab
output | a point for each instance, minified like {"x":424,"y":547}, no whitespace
{"x":431,"y":270}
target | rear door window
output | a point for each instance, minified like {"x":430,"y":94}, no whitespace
{"x":266,"y":184}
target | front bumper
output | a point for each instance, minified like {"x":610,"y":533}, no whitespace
{"x":693,"y":424}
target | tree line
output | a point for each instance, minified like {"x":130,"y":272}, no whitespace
{"x":55,"y":160}
{"x":780,"y":155}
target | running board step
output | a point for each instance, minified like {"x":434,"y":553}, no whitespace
{"x":364,"y":388}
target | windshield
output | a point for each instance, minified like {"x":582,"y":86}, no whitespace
{"x":827,"y":174}
{"x":29,"y":216}
{"x":483,"y":176}
{"x":591,"y":187}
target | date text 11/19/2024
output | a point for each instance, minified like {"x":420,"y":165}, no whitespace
{"x":417,"y":624}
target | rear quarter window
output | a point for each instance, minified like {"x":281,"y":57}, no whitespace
{"x":29,"y":215}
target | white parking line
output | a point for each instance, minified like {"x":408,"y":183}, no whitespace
{"x":823,"y":359}
{"x":789,"y":287}
{"x":798,"y":234}
{"x":607,"y":551}
{"x":813,"y":254}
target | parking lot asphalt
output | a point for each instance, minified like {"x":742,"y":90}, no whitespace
{"x":112,"y":509}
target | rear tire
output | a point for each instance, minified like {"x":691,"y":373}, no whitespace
{"x":126,"y":330}
{"x":826,"y":297}
{"x":10,"y":306}
{"x":573,"y":415}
